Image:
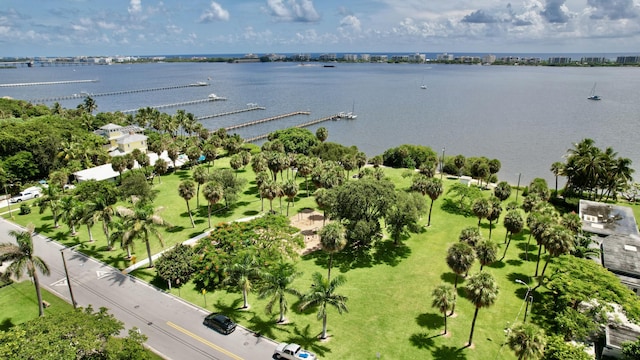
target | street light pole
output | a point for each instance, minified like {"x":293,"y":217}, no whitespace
{"x":66,"y":274}
{"x":528,"y":299}
{"x":518,"y":187}
{"x":8,"y":199}
{"x":442,"y":164}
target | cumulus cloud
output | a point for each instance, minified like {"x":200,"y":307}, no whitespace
{"x":135,"y":6}
{"x":213,"y":13}
{"x":350,"y":22}
{"x":555,"y":11}
{"x":613,"y":10}
{"x":293,"y":10}
{"x":479,"y":17}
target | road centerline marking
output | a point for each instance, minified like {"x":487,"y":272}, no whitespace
{"x":204,"y":341}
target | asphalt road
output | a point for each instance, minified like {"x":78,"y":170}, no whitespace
{"x":174,"y":327}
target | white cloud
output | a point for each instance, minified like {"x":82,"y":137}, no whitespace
{"x":351,"y":22}
{"x":293,"y":10}
{"x":213,"y":13}
{"x":135,"y":6}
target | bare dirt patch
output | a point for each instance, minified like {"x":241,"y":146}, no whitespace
{"x":309,"y":222}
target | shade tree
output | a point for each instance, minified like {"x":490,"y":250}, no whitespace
{"x":482,"y":290}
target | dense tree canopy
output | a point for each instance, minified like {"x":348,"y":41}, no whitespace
{"x":295,"y":140}
{"x":85,"y":334}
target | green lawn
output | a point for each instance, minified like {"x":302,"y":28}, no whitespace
{"x":19,"y":304}
{"x":390,"y":314}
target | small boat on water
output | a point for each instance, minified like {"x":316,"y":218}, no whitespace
{"x":592,"y":95}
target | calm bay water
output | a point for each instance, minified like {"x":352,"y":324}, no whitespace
{"x":527,"y":117}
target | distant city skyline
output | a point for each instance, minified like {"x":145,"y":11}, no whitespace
{"x":142,"y":27}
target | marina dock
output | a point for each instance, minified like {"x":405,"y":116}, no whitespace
{"x":277,"y":117}
{"x":250,"y":108}
{"x":49,"y":83}
{"x":192,"y":102}
{"x":123,"y":92}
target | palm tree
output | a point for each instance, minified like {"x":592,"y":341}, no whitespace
{"x":51,"y":200}
{"x":322,"y":134}
{"x":242,"y":273}
{"x":332,"y":240}
{"x":527,"y":341}
{"x":200,"y":176}
{"x":514,"y":223}
{"x":270,"y":189}
{"x":481,"y":208}
{"x":502,"y":191}
{"x":557,"y":168}
{"x":290,"y":189}
{"x":23,"y":258}
{"x":444,"y":299}
{"x":141,"y":222}
{"x":434,"y":190}
{"x":470,"y":235}
{"x":187,"y":190}
{"x":460,"y":257}
{"x":213,"y":193}
{"x":276,"y":284}
{"x":486,"y":252}
{"x":70,"y":212}
{"x":322,"y":294}
{"x":482,"y":291}
{"x":495,"y":209}
{"x":559,"y":241}
{"x":101,"y":210}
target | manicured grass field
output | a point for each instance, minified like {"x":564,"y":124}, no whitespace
{"x":389,"y":290}
{"x":19,"y":304}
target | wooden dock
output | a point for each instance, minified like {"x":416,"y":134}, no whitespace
{"x":48,"y":83}
{"x":303,"y":125}
{"x":123,"y":92}
{"x":192,"y":102}
{"x":277,"y":117}
{"x":250,"y":108}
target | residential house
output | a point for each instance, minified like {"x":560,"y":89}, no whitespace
{"x":123,"y":139}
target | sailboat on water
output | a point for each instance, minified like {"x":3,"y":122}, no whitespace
{"x":423,"y":86}
{"x":592,"y":95}
{"x":351,"y":115}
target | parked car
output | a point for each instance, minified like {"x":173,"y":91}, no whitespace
{"x":220,"y":323}
{"x":28,"y":194}
{"x":293,"y":352}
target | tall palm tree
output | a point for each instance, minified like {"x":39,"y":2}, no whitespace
{"x":70,"y":212}
{"x":322,"y":134}
{"x":51,"y":200}
{"x":486,"y":252}
{"x":332,"y":240}
{"x":481,"y":208}
{"x":470,"y":235}
{"x":557,"y":168}
{"x":187,"y":190}
{"x":143,"y":221}
{"x":276,"y":284}
{"x":502,"y":191}
{"x":213,"y":193}
{"x":460,"y":257}
{"x":242,"y":274}
{"x":290,"y":189}
{"x":434,"y":189}
{"x":527,"y":341}
{"x":559,"y":241}
{"x":323,"y":294}
{"x":495,"y":209}
{"x":514,"y":223}
{"x":482,"y":291}
{"x":200,"y":176}
{"x":100,"y":209}
{"x":270,"y":190}
{"x":444,"y":299}
{"x":22,"y":258}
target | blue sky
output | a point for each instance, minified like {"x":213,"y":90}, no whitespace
{"x":150,"y":27}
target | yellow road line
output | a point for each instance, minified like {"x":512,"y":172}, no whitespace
{"x":204,"y":341}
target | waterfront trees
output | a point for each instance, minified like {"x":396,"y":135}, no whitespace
{"x":187,"y":190}
{"x":212,"y":193}
{"x":332,"y":240}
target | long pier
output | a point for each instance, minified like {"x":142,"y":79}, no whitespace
{"x":303,"y":125}
{"x":123,"y":92}
{"x":48,"y":83}
{"x":250,"y":108}
{"x":192,"y":102}
{"x":277,"y":117}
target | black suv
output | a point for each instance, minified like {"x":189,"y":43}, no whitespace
{"x":220,"y":323}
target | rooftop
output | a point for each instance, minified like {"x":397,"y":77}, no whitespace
{"x":606,"y":219}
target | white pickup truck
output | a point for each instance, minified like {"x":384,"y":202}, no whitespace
{"x":26,"y":194}
{"x":293,"y":352}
